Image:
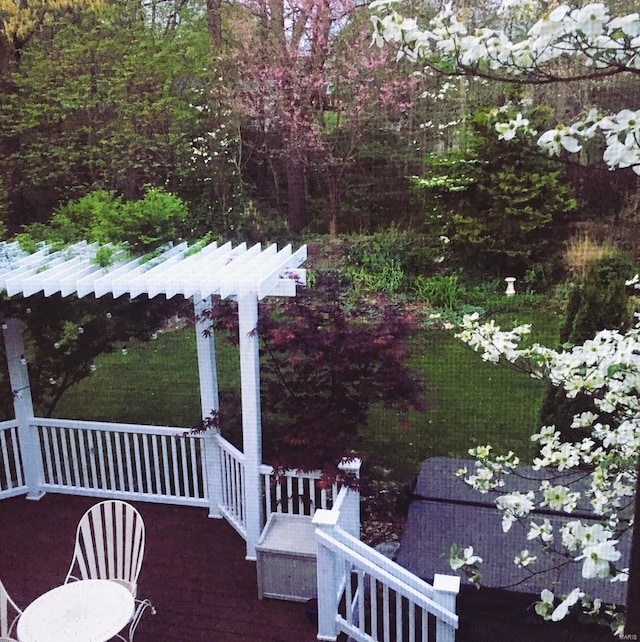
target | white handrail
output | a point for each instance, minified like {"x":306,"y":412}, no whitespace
{"x":148,"y":463}
{"x":373,"y":589}
{"x":111,"y":426}
{"x":386,"y":571}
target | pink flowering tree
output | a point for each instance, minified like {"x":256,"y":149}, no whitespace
{"x":310,"y":95}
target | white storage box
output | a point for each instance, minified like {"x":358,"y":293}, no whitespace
{"x":286,"y":558}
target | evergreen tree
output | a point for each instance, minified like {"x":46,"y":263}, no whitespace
{"x":600,"y":301}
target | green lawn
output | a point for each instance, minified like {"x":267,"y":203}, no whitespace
{"x":471,"y":402}
{"x":153,"y":383}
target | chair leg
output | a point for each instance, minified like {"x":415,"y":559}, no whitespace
{"x":142,"y":605}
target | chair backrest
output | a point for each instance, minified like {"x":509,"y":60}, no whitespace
{"x":9,"y":613}
{"x":109,"y":544}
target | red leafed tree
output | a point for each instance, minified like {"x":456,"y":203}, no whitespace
{"x":323,"y":365}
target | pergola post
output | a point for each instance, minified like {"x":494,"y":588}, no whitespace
{"x":209,"y":401}
{"x":23,"y":406}
{"x":251,"y":414}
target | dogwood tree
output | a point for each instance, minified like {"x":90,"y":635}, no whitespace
{"x":606,"y":367}
{"x":561,"y":45}
{"x":564,"y":45}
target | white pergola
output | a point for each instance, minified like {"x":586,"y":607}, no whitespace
{"x":199,"y":271}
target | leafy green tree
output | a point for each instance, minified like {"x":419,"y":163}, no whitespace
{"x":21,"y":20}
{"x":106,"y":101}
{"x":502,"y":205}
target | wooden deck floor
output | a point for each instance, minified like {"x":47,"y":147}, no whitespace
{"x":194,"y":571}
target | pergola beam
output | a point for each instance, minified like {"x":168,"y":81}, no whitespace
{"x":193,"y":271}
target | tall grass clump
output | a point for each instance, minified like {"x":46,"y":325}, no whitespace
{"x":443,"y":291}
{"x":582,"y":251}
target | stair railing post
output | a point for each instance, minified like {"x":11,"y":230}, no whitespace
{"x":446,"y":589}
{"x":327,"y":577}
{"x":350,"y":512}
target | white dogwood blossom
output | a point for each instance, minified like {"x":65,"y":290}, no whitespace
{"x":508,"y":130}
{"x":607,"y":368}
{"x":547,"y":608}
{"x":524,"y":558}
{"x":543,"y":532}
{"x":514,"y":506}
{"x":558,"y":497}
{"x":463,"y":557}
{"x":563,"y":608}
{"x":598,"y":558}
{"x":526,"y":48}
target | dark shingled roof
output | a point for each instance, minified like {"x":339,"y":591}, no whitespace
{"x":194,"y":571}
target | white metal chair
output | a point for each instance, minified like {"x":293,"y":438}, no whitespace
{"x":110,"y":546}
{"x":9,"y":615}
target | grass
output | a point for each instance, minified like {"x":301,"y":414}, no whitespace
{"x":471,"y":402}
{"x":582,"y":250}
{"x":153,"y":383}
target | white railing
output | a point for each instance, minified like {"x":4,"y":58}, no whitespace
{"x":147,"y":463}
{"x":293,"y":491}
{"x":370,"y":598}
{"x":156,"y":464}
{"x":12,"y":480}
{"x":232,"y":479}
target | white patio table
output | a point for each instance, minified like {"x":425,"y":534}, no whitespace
{"x":81,"y":611}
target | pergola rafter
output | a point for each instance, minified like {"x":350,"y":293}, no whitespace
{"x":192,"y":271}
{"x":199,"y":271}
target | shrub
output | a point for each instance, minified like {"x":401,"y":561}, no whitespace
{"x":415,"y":253}
{"x":599,"y":302}
{"x":325,"y":366}
{"x":440,"y":291}
{"x":388,"y":261}
{"x":501,"y":203}
{"x":103,"y":217}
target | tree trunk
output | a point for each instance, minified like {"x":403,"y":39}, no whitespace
{"x":297,"y":196}
{"x":334,"y":201}
{"x":214,"y":24}
{"x":7,"y":58}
